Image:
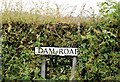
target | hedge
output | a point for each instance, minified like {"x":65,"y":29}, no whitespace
{"x":98,"y":46}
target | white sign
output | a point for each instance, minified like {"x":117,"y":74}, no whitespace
{"x":56,"y":51}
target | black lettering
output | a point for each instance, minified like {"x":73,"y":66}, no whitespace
{"x":60,"y":51}
{"x":40,"y":50}
{"x":76,"y":51}
{"x":66,"y":51}
{"x":51,"y":51}
{"x":45,"y":51}
{"x":71,"y":51}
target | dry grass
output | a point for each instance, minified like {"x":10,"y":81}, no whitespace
{"x":42,"y":14}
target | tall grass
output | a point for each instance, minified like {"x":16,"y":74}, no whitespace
{"x":42,"y":13}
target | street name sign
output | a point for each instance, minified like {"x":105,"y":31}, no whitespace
{"x":56,"y":51}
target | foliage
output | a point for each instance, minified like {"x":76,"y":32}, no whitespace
{"x":97,"y":42}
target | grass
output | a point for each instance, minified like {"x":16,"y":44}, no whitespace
{"x":41,"y":15}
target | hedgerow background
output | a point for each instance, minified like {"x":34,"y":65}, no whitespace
{"x":98,"y":42}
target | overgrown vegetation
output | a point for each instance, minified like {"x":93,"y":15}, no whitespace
{"x":98,"y":42}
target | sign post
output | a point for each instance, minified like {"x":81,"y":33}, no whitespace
{"x":73,"y":67}
{"x":56,"y":51}
{"x":43,"y":67}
